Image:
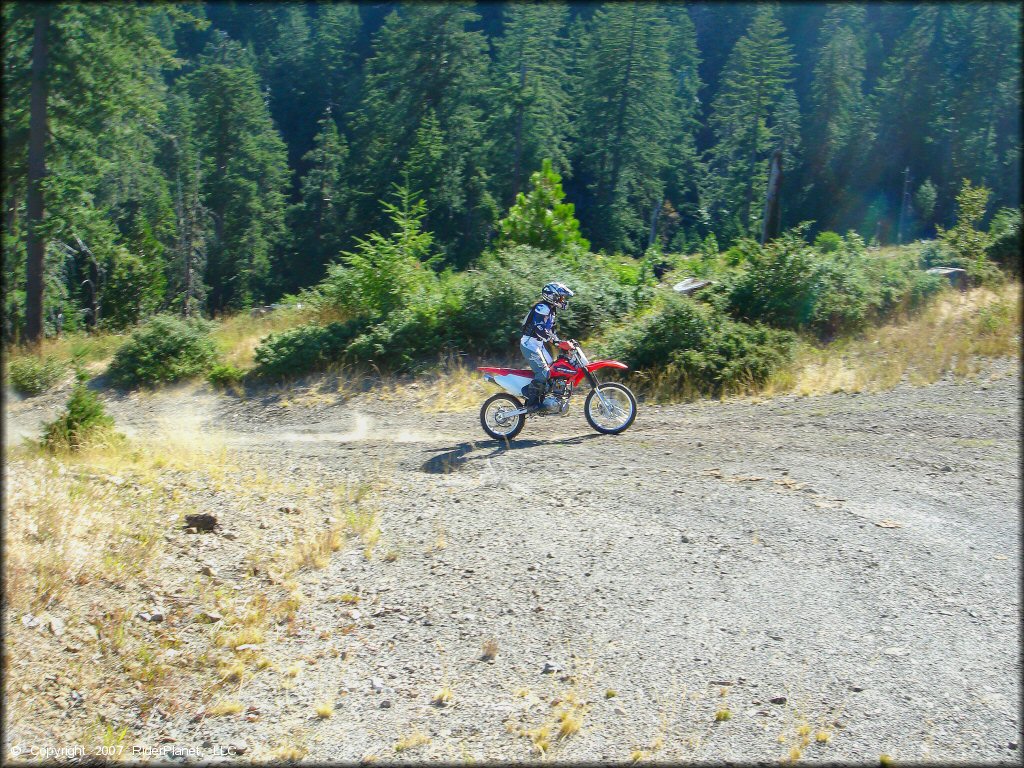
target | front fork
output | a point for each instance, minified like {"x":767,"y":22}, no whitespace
{"x":592,"y":380}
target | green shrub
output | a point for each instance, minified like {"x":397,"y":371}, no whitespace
{"x":935,"y":253}
{"x":780,"y":284}
{"x":225,"y":375}
{"x":303,"y":349}
{"x":32,"y":375}
{"x":827,"y":242}
{"x":1006,"y":239}
{"x":84,"y":422}
{"x":165,"y":348}
{"x":699,"y":349}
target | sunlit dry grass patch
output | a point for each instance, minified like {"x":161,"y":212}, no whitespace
{"x":956,"y":334}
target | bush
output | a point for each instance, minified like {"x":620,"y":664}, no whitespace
{"x":780,"y":285}
{"x":303,"y":349}
{"x":1006,"y":239}
{"x":699,"y":349}
{"x":225,"y":375}
{"x":84,"y":422}
{"x":166,"y":348}
{"x":31,"y":375}
{"x":827,"y":242}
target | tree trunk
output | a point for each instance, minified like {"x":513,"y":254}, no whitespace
{"x":772,"y":225}
{"x":34,"y":208}
{"x":755,"y":129}
{"x":655,"y":211}
{"x":620,"y":122}
{"x":518,"y":152}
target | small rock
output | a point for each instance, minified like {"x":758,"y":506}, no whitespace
{"x":209,"y":617}
{"x":264,"y":524}
{"x":856,"y":688}
{"x":155,"y":615}
{"x":237,"y":747}
{"x":550,"y":668}
{"x":354,"y":614}
{"x":684,"y":539}
{"x":619,"y":711}
{"x":207,"y":570}
{"x":201,"y":522}
{"x":778,"y":700}
{"x":1012,"y":745}
{"x":386,"y":704}
{"x":230,"y":535}
{"x":56,"y":626}
{"x":945,"y":468}
{"x":247,"y":647}
{"x":895,"y":651}
{"x":377,"y":684}
{"x":28,"y":621}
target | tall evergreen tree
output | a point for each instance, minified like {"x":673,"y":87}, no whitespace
{"x":244,"y":171}
{"x":529,"y":100}
{"x":838,"y":125}
{"x":318,"y":220}
{"x":685,"y":168}
{"x":626,"y":122}
{"x":57,"y":119}
{"x":424,"y":89}
{"x":745,"y":119}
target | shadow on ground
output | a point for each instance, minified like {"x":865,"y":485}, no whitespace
{"x":453,"y":459}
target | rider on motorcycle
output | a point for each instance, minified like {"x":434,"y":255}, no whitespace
{"x":538,"y":330}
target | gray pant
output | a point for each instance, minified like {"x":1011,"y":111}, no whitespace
{"x":537,"y":356}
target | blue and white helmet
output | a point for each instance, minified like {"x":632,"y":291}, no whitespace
{"x":558,"y":294}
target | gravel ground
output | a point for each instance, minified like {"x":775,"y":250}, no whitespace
{"x":845,"y":563}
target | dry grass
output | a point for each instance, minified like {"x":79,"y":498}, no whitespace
{"x":412,"y":740}
{"x":225,"y":707}
{"x":442,"y":697}
{"x":113,"y":533}
{"x":453,"y":389}
{"x":324,"y":710}
{"x":93,"y":350}
{"x":85,"y":540}
{"x":238,"y":335}
{"x":956,"y":334}
{"x":489,"y":649}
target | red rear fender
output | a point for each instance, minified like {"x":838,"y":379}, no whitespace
{"x":607,"y":364}
{"x":507,"y":371}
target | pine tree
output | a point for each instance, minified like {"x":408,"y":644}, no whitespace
{"x":59,"y":125}
{"x":542,"y":219}
{"x":837,"y":124}
{"x":744,"y":117}
{"x":244,"y":171}
{"x":626,"y":122}
{"x":685,"y":167}
{"x":424,"y":89}
{"x":529,"y":100}
{"x":318,"y":220}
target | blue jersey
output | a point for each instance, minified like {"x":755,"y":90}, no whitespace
{"x":540,"y":323}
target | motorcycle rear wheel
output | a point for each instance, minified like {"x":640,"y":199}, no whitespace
{"x":622,"y":410}
{"x":498,"y":425}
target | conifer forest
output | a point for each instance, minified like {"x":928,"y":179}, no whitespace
{"x":203,"y":158}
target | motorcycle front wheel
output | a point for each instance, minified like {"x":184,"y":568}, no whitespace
{"x":495,"y":418}
{"x":617,"y":412}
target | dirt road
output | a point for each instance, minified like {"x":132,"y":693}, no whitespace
{"x":842,"y":568}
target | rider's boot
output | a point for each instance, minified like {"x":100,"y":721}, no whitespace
{"x":533,"y":392}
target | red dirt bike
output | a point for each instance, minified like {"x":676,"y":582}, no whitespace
{"x":610,"y":407}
